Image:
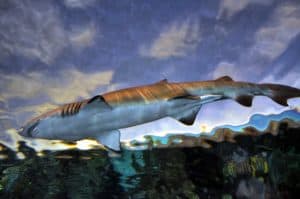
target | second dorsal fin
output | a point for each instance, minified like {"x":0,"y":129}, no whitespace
{"x":162,"y":81}
{"x":225,"y":79}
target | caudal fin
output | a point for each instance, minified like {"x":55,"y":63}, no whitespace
{"x":280,"y":93}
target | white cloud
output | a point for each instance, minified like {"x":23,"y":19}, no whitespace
{"x":65,"y":87}
{"x":229,"y":8}
{"x":69,"y":85}
{"x":283,"y":26}
{"x":36,"y":109}
{"x":225,"y":68}
{"x":78,"y":3}
{"x":176,"y":40}
{"x":270,"y":41}
{"x":32,"y":30}
{"x":83,"y":37}
{"x":35,"y":30}
{"x":291,"y":79}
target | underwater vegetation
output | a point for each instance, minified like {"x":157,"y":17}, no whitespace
{"x":248,"y":164}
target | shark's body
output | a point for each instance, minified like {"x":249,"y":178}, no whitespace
{"x":102,"y":116}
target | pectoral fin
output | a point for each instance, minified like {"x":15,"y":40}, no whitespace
{"x":110,"y":139}
{"x":190,"y":118}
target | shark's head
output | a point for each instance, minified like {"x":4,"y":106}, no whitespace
{"x":30,"y":130}
{"x":39,"y":127}
{"x":51,"y":125}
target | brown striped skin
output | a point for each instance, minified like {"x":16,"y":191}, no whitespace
{"x":71,"y":108}
{"x":144,"y":94}
{"x":214,"y":87}
{"x":64,"y":110}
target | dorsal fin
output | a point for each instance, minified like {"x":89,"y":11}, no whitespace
{"x":93,"y":99}
{"x":162,"y":81}
{"x":100,"y":98}
{"x":225,"y":79}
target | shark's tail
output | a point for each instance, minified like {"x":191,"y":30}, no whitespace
{"x":277,"y":92}
{"x":280,"y":93}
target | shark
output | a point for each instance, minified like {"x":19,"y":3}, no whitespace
{"x":102,"y":116}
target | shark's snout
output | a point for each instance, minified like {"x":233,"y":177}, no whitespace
{"x":30,"y":130}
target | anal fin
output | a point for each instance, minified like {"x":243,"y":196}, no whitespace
{"x":245,"y":100}
{"x":282,"y":100}
{"x":110,"y":139}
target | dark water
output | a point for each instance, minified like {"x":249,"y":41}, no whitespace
{"x":264,"y":166}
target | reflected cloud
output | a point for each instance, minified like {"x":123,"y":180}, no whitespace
{"x":83,"y":37}
{"x":228,"y":8}
{"x":68,"y":85}
{"x":226,"y":68}
{"x":291,"y":79}
{"x":36,"y":109}
{"x":271,"y":40}
{"x":178,"y":39}
{"x":33,"y":30}
{"x":36,"y":31}
{"x":79,"y":3}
